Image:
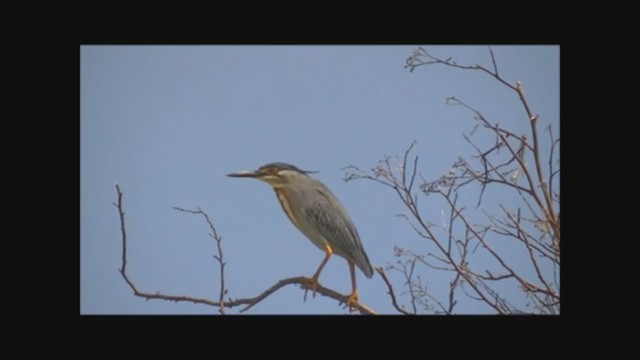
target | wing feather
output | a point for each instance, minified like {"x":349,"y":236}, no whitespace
{"x":336,"y":227}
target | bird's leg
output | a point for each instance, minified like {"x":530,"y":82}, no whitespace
{"x":314,"y":279}
{"x":352,"y":299}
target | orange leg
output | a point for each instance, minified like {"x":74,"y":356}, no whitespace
{"x":352,"y":300}
{"x":314,"y":279}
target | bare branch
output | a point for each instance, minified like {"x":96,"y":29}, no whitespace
{"x":452,"y":288}
{"x":219,"y":258}
{"x":391,"y":293}
{"x":123,"y":231}
{"x":554,"y":142}
{"x":534,"y":262}
{"x":415,"y":60}
{"x":496,"y":169}
{"x":493,"y":61}
{"x":401,"y":189}
{"x":502,"y":228}
{"x":304,"y":282}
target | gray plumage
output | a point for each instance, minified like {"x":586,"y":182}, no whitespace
{"x":315,"y":211}
{"x":327,"y":221}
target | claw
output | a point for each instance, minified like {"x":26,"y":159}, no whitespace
{"x":313,"y":282}
{"x":352,"y":301}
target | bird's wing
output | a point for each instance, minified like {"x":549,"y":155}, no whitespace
{"x":337,"y":228}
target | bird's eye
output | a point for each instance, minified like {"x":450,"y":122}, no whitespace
{"x":272,"y":171}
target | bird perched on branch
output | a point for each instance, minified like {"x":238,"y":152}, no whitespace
{"x":318,"y":214}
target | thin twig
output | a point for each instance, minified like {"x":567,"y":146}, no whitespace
{"x":390,"y":292}
{"x":534,"y":262}
{"x":219,"y":258}
{"x":122,"y":230}
{"x":493,"y":61}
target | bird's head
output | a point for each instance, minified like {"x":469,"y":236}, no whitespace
{"x":276,"y":174}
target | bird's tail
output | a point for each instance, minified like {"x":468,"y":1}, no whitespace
{"x":362,"y":261}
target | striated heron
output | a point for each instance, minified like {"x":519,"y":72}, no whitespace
{"x":318,"y":214}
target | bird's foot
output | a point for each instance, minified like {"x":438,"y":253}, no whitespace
{"x":313,"y":283}
{"x":352,"y":301}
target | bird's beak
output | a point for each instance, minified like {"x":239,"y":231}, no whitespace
{"x":245,"y":173}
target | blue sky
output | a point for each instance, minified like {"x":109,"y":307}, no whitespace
{"x":168,"y":122}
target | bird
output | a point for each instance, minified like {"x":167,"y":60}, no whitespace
{"x":316,"y":212}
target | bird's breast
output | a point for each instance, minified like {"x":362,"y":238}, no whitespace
{"x":284,"y":199}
